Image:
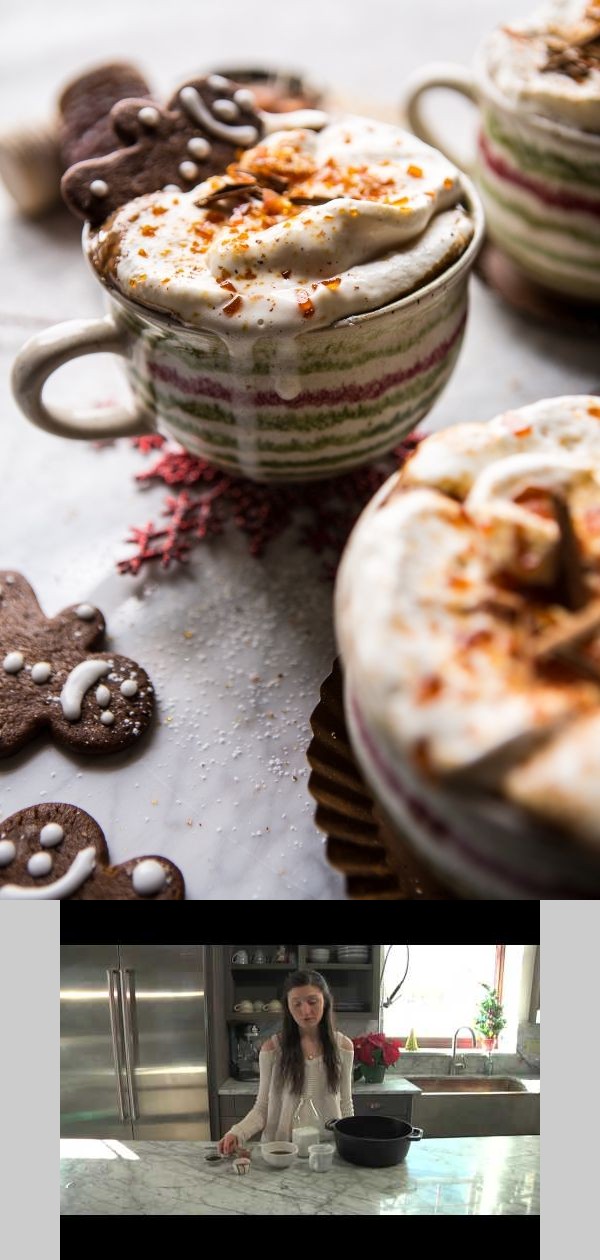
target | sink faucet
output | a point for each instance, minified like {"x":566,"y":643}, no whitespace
{"x":459,"y":1065}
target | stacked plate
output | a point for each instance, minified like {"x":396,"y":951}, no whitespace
{"x":353,"y":953}
{"x":318,"y":954}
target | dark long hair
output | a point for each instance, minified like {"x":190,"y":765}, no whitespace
{"x":292,"y":1058}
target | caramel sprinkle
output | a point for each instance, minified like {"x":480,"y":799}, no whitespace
{"x":305,"y":305}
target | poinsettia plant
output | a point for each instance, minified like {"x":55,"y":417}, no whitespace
{"x":374,"y":1050}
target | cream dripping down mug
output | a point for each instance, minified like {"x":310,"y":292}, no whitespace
{"x":303,"y":335}
{"x":537,"y":158}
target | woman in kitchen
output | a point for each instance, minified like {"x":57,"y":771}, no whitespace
{"x":307,"y":1059}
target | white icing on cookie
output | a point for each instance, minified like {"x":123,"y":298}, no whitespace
{"x":40,"y":864}
{"x":80,"y":870}
{"x":129,"y":687}
{"x":7,"y":852}
{"x":107,"y":718}
{"x":196,"y":109}
{"x":51,"y":834}
{"x":85,"y":611}
{"x":149,"y":116}
{"x":244,"y":98}
{"x":81,"y":678}
{"x":217,"y":81}
{"x":103,"y":696}
{"x":41,"y":671}
{"x":98,"y":188}
{"x":13,"y":662}
{"x":188,"y":170}
{"x":226,"y":109}
{"x":198,"y":147}
{"x":148,"y":877}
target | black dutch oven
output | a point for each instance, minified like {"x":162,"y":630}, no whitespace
{"x":373,"y":1141}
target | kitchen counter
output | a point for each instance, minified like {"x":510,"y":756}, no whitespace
{"x":490,"y":1176}
{"x":397,"y":1086}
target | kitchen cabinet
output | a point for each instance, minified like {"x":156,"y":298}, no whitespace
{"x":355,"y":987}
{"x":385,"y":1104}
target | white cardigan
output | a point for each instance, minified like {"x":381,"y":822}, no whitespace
{"x":275,"y":1104}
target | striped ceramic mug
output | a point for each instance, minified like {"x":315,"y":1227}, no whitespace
{"x":271,"y":408}
{"x":539,"y":179}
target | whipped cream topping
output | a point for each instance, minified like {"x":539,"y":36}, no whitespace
{"x":311,"y":226}
{"x":450,"y":584}
{"x":550,"y":64}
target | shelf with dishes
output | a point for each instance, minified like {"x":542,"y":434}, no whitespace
{"x":256,"y":977}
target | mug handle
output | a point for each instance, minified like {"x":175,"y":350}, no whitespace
{"x":46,"y":352}
{"x":438,"y":75}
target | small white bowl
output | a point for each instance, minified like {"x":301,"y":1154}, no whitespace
{"x":279,"y":1154}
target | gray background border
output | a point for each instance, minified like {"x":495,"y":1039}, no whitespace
{"x":29,"y":1069}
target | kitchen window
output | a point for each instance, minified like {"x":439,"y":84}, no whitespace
{"x":442,"y":990}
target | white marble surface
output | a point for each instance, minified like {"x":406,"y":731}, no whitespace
{"x":220,"y":787}
{"x":490,"y":1176}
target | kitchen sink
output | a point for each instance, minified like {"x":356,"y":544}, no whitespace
{"x":473,"y":1106}
{"x":469,"y":1084}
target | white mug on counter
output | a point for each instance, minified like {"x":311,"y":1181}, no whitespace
{"x":538,"y":177}
{"x":320,"y":1156}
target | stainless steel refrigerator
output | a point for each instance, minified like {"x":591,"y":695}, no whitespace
{"x":134,"y":1042}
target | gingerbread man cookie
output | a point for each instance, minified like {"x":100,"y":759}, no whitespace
{"x":52,"y":676}
{"x":54,"y":852}
{"x":84,"y":105}
{"x":198,"y":133}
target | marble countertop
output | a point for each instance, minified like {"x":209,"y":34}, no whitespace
{"x":237,"y":647}
{"x":388,"y":1086}
{"x":491,"y":1176}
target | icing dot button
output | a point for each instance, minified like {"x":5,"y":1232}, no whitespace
{"x":218,"y":82}
{"x":51,"y":834}
{"x":244,"y":98}
{"x":149,"y":116}
{"x":98,"y":188}
{"x":7,"y":852}
{"x":13,"y":662}
{"x":103,"y":696}
{"x":85,"y":611}
{"x":129,"y":687}
{"x":41,"y":671}
{"x":107,"y":718}
{"x":198,"y":147}
{"x":188,"y":170}
{"x":226,"y":109}
{"x":148,"y":877}
{"x":40,"y":864}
